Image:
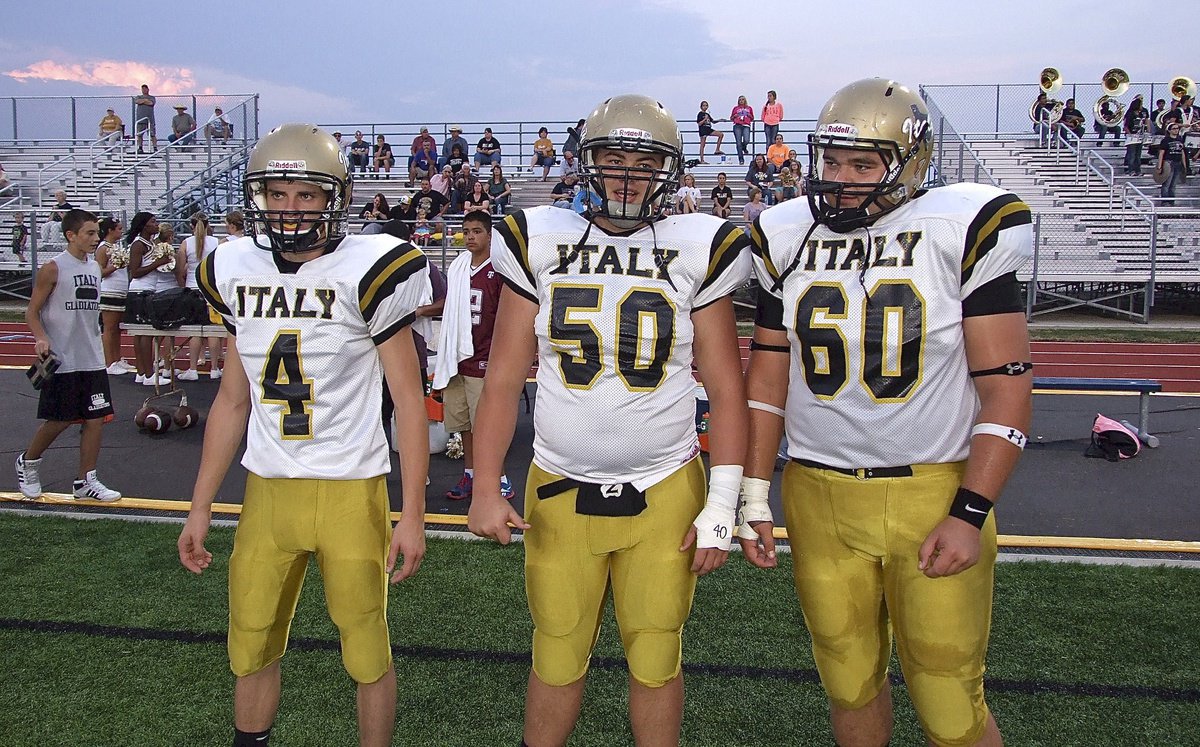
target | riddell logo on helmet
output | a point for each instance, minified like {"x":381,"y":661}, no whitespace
{"x":839,"y":129}
{"x":288,"y":165}
{"x":629,"y":133}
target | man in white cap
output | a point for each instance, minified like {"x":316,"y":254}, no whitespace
{"x":455,"y":138}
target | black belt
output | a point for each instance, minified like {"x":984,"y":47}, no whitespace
{"x":864,"y":473}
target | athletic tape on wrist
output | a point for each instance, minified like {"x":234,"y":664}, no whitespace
{"x":1008,"y":433}
{"x":765,"y":407}
{"x":754,"y":506}
{"x":714,"y":524}
{"x":971,"y":507}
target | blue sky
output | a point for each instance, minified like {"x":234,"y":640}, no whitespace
{"x":473,"y":61}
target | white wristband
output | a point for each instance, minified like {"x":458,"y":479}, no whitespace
{"x":754,"y":506}
{"x":1008,"y":433}
{"x":714,"y":524}
{"x":765,"y":407}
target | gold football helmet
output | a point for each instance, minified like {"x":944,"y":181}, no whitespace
{"x":297,"y":153}
{"x":631,"y":123}
{"x":879,"y":116}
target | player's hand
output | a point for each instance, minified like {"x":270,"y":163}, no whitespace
{"x":41,"y":347}
{"x":490,"y":516}
{"x":952,"y":547}
{"x":408,"y":539}
{"x":192,"y":554}
{"x":708,"y":559}
{"x":760,"y":551}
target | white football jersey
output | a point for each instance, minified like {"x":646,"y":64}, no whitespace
{"x":615,"y":398}
{"x":874,"y":316}
{"x":306,"y":335}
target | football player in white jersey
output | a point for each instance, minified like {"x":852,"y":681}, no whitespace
{"x":615,"y":305}
{"x":314,"y":317}
{"x":890,"y":341}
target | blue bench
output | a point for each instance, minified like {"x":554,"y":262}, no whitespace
{"x":1144,"y":388}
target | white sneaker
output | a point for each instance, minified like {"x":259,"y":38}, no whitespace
{"x":116,"y":369}
{"x":29,"y":481}
{"x":215,"y":374}
{"x":129,"y":367}
{"x":90,"y":488}
{"x":163,"y":378}
{"x":188,"y":375}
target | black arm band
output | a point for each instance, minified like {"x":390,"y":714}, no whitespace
{"x":1008,"y":369}
{"x":971,"y":507}
{"x":755,"y":345}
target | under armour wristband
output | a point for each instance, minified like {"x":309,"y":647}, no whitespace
{"x":1010,"y":434}
{"x":754,"y":506}
{"x":714,"y":524}
{"x":971,"y":507}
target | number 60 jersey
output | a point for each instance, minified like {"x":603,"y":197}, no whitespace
{"x":615,"y":398}
{"x":306,"y":336}
{"x":874,"y":316}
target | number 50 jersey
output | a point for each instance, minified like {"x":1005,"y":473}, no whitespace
{"x":306,"y":336}
{"x":875,"y":320}
{"x":615,"y":398}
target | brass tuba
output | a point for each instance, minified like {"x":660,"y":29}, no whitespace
{"x":1182,"y":86}
{"x":1049,"y":81}
{"x":1110,"y":112}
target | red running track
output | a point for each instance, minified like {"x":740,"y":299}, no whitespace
{"x":1177,"y":366}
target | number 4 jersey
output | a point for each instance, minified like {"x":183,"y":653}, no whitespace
{"x":615,"y":398}
{"x":879,"y":371}
{"x":306,"y":336}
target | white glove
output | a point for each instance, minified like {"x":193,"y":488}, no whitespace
{"x":754,"y":506}
{"x":714,"y":525}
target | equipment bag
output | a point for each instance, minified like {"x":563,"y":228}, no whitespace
{"x":1112,"y":441}
{"x":175,"y":307}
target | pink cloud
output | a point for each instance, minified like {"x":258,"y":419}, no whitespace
{"x":113,"y":73}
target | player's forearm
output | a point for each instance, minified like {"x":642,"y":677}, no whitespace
{"x":494,"y":426}
{"x":993,"y":457}
{"x":222,"y":438}
{"x":412,"y":434}
{"x":766,"y":390}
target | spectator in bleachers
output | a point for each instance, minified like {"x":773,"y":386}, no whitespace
{"x":574,"y":134}
{"x":704,"y":124}
{"x":218,"y":128}
{"x":422,"y":150}
{"x":112,"y":129}
{"x":1181,"y":112}
{"x":192,"y":251}
{"x":434,"y":203}
{"x":760,"y":176}
{"x":443,"y":181}
{"x":1072,"y":119}
{"x":464,"y":182}
{"x":360,"y":153}
{"x":114,"y":285}
{"x":143,"y":282}
{"x":793,"y":163}
{"x":1160,"y":111}
{"x":20,"y":236}
{"x":377,"y":209}
{"x":383,"y":155}
{"x":342,"y":145}
{"x":456,"y":160}
{"x":182,"y":126}
{"x":778,"y":152}
{"x":722,"y":197}
{"x":61,"y":206}
{"x":1137,"y":125}
{"x":753,"y":208}
{"x":563,"y":193}
{"x":455,"y":139}
{"x":787,"y":188}
{"x":543,"y":153}
{"x":144,"y":113}
{"x":742,"y":117}
{"x":687,"y":197}
{"x":569,"y":165}
{"x":487,"y":150}
{"x":422,"y":228}
{"x":51,"y":239}
{"x":1172,"y":160}
{"x":772,"y":115}
{"x":477,"y":199}
{"x":499,"y":190}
